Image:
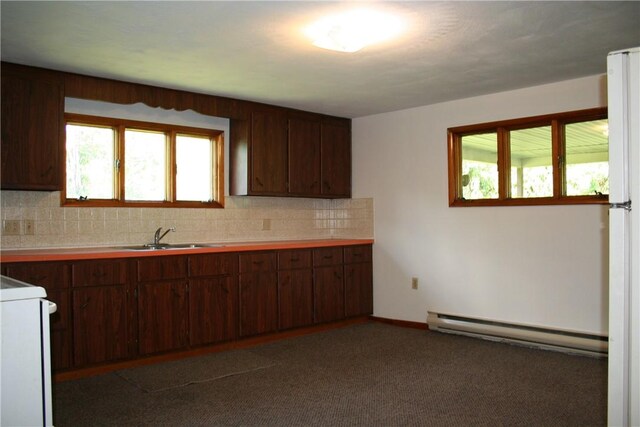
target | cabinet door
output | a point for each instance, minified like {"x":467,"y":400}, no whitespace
{"x":100,"y":324}
{"x":358,"y":289}
{"x":32,"y":111}
{"x":295,"y":294}
{"x":329,"y":293}
{"x":258,"y":303}
{"x":162,"y":316}
{"x":213,"y":310}
{"x":304,"y":157}
{"x":268,"y":153}
{"x":336,"y":159}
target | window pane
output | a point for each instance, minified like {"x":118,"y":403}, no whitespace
{"x":145,"y":165}
{"x":194,"y":179}
{"x":90,"y":162}
{"x":531,"y":162}
{"x":480,"y":166}
{"x":587,"y":158}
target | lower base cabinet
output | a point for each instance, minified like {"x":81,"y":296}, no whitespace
{"x":328,"y":294}
{"x":358,"y":292}
{"x":358,"y":281}
{"x":295,"y":294}
{"x":295,"y":288}
{"x":258,"y":293}
{"x":100,"y":327}
{"x":163,"y":316}
{"x":328,"y":281}
{"x":213,"y":310}
{"x":116,"y":309}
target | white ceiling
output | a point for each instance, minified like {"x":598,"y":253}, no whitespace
{"x":256,"y":50}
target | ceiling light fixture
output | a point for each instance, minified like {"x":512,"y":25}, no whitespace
{"x":351,"y":31}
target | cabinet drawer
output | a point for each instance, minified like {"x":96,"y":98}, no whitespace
{"x":213,"y":265}
{"x":257,"y":261}
{"x":327,"y":256}
{"x":47,"y":275}
{"x":95,"y":273}
{"x":288,"y":260}
{"x":161,"y":268}
{"x":357,"y":254}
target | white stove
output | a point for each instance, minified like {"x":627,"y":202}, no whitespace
{"x":25,"y":393}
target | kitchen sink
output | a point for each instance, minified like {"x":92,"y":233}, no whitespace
{"x":166,"y":246}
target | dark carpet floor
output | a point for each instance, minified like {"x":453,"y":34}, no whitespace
{"x":364,"y":375}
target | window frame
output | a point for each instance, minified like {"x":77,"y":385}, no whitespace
{"x":557,"y":122}
{"x":120,"y":125}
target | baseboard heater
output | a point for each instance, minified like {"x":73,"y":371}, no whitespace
{"x":533,"y":336}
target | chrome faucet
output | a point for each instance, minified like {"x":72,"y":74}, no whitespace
{"x":157,"y":236}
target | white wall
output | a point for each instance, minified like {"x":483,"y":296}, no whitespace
{"x":540,"y":265}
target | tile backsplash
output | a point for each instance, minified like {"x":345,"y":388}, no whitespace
{"x":36,"y":220}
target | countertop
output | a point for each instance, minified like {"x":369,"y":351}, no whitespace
{"x":121,"y":251}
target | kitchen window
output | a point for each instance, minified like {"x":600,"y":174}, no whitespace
{"x":544,"y":160}
{"x":115,"y":162}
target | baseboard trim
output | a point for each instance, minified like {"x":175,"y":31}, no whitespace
{"x":401,"y":323}
{"x":231,"y":345}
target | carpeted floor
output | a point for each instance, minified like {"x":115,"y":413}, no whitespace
{"x":364,"y":375}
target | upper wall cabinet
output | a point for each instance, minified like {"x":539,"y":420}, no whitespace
{"x":281,"y":152}
{"x":274,"y":151}
{"x":335,"y":158}
{"x":32,"y":129}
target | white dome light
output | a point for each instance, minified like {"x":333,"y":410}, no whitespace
{"x":353,"y":30}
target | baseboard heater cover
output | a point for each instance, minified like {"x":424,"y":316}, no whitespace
{"x":551,"y":339}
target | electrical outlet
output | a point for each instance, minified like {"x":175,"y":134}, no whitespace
{"x":29,"y":229}
{"x":11,"y":227}
{"x":266,"y":224}
{"x":414,"y":283}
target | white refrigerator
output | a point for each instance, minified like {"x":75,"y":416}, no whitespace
{"x":623,"y":77}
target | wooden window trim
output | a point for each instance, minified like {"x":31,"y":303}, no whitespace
{"x":557,"y":122}
{"x":170,"y":130}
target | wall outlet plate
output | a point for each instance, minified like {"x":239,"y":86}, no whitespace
{"x":11,"y":227}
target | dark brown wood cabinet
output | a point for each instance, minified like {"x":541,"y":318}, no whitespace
{"x":328,"y":284}
{"x":295,"y":288}
{"x":304,"y":156}
{"x":163,"y":305}
{"x":336,"y":158}
{"x":101,"y":311}
{"x":111,"y":310}
{"x":280,"y":152}
{"x":268,"y":152}
{"x":54,"y":277}
{"x":32,"y":128}
{"x":213,"y":298}
{"x":258,"y":153}
{"x":358,"y":281}
{"x":258,"y":293}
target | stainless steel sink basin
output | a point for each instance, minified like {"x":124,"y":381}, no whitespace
{"x":165,"y":246}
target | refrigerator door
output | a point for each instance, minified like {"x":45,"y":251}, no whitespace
{"x":623,"y":73}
